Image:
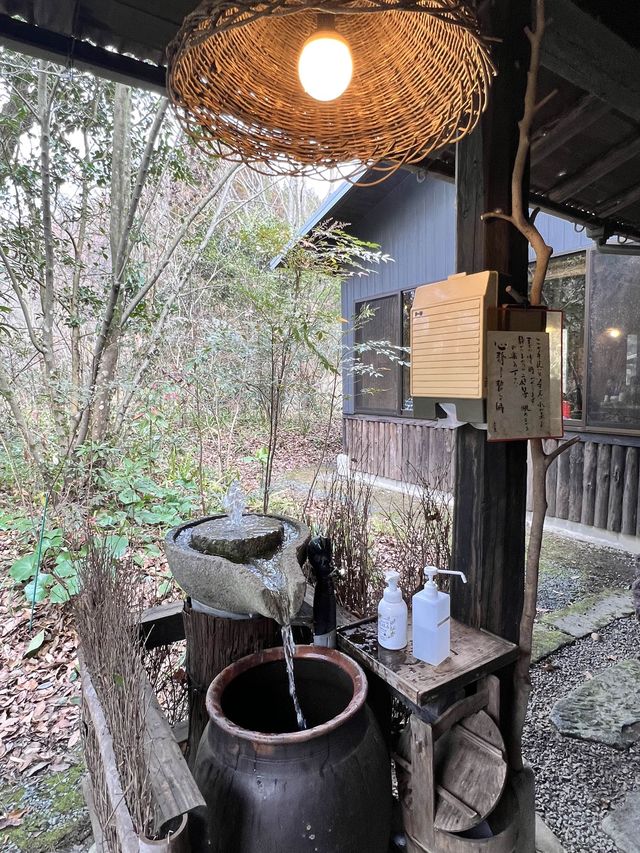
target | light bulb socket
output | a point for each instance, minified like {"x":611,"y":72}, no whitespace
{"x":326,"y":21}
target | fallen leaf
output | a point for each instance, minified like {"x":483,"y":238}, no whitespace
{"x":40,"y":709}
{"x":13,"y":818}
{"x":36,"y":768}
{"x":73,"y":740}
{"x":35,"y":644}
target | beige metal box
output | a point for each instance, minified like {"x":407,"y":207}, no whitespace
{"x":448,"y":336}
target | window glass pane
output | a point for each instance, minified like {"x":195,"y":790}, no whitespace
{"x":407,"y":302}
{"x":614,"y":326}
{"x":564,"y":288}
{"x":377,"y":365}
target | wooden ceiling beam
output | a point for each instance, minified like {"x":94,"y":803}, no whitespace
{"x":563,"y":128}
{"x":46,"y":44}
{"x":617,"y":203}
{"x":627,"y":150}
{"x":585,"y":52}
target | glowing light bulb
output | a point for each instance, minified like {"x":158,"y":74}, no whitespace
{"x":614,"y":333}
{"x":325,"y":66}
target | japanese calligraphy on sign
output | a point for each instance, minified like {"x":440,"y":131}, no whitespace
{"x":518,"y":385}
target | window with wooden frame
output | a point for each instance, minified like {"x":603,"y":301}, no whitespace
{"x":381,"y":380}
{"x":600,"y":297}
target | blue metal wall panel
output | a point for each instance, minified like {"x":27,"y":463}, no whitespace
{"x":415,"y":225}
{"x":561,"y":235}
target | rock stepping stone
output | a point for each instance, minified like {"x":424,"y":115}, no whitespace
{"x":547,"y":640}
{"x":623,"y":824}
{"x":546,"y":841}
{"x":605,"y":709}
{"x":591,"y":613}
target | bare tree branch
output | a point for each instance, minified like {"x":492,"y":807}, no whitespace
{"x":26,"y":313}
{"x":525,"y":224}
{"x":31,"y":442}
{"x":178,"y":238}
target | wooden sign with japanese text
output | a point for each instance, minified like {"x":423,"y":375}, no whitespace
{"x":518,"y":385}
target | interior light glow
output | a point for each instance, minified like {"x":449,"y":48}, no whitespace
{"x":325,"y":66}
{"x":614,"y":333}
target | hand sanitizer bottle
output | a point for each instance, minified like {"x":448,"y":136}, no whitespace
{"x":431,"y":622}
{"x":392,"y":615}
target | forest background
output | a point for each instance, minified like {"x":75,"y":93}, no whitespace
{"x":149,"y":353}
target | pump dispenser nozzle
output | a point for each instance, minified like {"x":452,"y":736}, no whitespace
{"x":431,"y":587}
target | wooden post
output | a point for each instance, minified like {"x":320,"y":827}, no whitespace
{"x":490,"y":486}
{"x":491,"y":478}
{"x":212,"y":644}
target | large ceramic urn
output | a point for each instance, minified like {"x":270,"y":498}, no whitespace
{"x":272,"y":788}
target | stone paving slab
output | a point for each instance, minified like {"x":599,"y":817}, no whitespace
{"x":605,"y":709}
{"x":547,"y":640}
{"x":623,"y":824}
{"x":591,"y":613}
{"x":546,"y":841}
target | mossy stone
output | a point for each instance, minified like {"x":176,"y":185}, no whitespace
{"x":547,"y":640}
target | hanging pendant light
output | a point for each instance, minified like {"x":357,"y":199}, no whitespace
{"x":325,"y":65}
{"x":293,"y":86}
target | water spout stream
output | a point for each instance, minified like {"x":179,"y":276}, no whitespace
{"x":234,"y":503}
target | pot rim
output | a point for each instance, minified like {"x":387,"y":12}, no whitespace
{"x":301,"y":528}
{"x":329,"y":656}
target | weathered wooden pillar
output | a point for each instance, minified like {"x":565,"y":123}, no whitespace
{"x":212,"y":644}
{"x":491,"y":478}
{"x":490,"y":486}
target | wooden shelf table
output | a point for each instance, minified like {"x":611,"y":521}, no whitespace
{"x":438,"y":698}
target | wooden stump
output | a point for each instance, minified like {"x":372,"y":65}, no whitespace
{"x":212,"y":644}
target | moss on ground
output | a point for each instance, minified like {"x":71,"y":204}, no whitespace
{"x":587,"y":603}
{"x":54,"y":812}
{"x":547,"y":640}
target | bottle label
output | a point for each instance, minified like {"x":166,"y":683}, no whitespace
{"x":387,"y":627}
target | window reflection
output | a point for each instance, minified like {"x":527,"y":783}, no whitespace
{"x":377,"y":336}
{"x":407,"y":302}
{"x":564,"y":289}
{"x":614,"y":326}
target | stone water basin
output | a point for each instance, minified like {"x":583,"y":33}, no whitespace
{"x":248,"y":568}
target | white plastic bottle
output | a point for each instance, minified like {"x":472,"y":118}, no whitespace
{"x":431,"y":619}
{"x":392,"y":615}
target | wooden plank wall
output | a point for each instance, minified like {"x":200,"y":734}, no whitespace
{"x":402,"y":451}
{"x":593,"y":483}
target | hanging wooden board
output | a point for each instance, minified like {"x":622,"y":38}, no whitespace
{"x":518,"y":385}
{"x":470,"y":773}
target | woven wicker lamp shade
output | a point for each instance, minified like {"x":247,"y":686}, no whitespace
{"x":421,"y":74}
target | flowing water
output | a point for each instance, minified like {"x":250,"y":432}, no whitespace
{"x":270,"y":574}
{"x":235,"y":504}
{"x":289,"y":648}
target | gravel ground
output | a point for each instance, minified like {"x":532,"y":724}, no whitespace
{"x":578,"y":782}
{"x":570,"y":569}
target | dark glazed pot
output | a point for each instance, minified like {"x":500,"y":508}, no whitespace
{"x":270,"y":788}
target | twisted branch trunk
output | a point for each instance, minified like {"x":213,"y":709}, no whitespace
{"x":540,"y":460}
